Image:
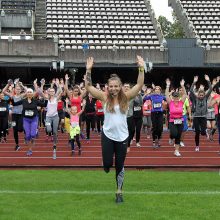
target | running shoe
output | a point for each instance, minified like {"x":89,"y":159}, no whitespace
{"x":119,"y":198}
{"x":211,"y":137}
{"x":29,"y":153}
{"x":177,"y":153}
{"x":54,"y":154}
{"x":182,"y":144}
{"x":207,"y":134}
{"x":197,"y":149}
{"x":3,"y":140}
{"x":17,"y":148}
{"x":138,"y":145}
{"x":106,"y":169}
{"x":171,"y":141}
{"x":72,"y":152}
{"x":82,"y":135}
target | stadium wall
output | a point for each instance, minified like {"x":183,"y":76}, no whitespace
{"x":37,"y":53}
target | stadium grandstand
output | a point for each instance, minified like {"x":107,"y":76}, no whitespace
{"x":45,"y":37}
{"x":200,"y":20}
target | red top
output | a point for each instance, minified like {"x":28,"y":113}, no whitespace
{"x":76,"y":102}
{"x":216,"y":96}
{"x":60,"y":105}
{"x":147,"y":106}
{"x":99,"y":108}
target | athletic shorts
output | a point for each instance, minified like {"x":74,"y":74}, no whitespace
{"x":61,"y":114}
{"x":210,"y":116}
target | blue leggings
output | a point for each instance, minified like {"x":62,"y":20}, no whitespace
{"x":30,"y":127}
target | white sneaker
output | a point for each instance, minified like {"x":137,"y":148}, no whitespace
{"x":138,"y":145}
{"x":54,"y":154}
{"x":182,"y":144}
{"x":170,"y":141}
{"x":197,"y":149}
{"x":207,"y":134}
{"x":177,"y":153}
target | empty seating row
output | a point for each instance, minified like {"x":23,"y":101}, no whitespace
{"x":18,"y":7}
{"x":100,"y":22}
{"x":205,"y":18}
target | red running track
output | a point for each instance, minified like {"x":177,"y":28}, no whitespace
{"x":143,"y":157}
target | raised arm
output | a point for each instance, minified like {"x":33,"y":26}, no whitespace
{"x":210,"y":86}
{"x":167,"y":93}
{"x":182,"y":84}
{"x":66,"y":86}
{"x":5,"y":90}
{"x":140,"y":81}
{"x":192,"y":93}
{"x":88,"y":82}
{"x":67,"y":105}
{"x":59,"y":89}
{"x":40,"y":90}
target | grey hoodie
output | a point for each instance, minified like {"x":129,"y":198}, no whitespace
{"x":200,"y":105}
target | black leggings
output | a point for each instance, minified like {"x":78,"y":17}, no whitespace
{"x":3,"y":126}
{"x":200,"y":125}
{"x":76,"y":138}
{"x":90,"y":121}
{"x":17,"y":123}
{"x":119,"y":149}
{"x":157,"y":125}
{"x":131,"y":130}
{"x":176,"y":132}
{"x":138,"y":124}
{"x":99,"y":122}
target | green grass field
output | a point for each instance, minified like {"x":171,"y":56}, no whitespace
{"x":71,"y":194}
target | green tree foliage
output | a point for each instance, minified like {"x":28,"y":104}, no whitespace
{"x":169,"y":29}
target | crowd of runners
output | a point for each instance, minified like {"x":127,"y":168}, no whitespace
{"x":119,"y":113}
{"x":61,"y":107}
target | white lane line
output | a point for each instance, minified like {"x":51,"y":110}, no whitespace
{"x":77,"y":157}
{"x":111,"y":192}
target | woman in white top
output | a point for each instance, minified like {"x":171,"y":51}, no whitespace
{"x":52,"y":118}
{"x":115,"y":130}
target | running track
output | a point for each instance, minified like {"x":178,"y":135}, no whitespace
{"x":143,"y":157}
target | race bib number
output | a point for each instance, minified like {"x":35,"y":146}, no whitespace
{"x":210,"y":110}
{"x":137,"y":108}
{"x":178,"y":121}
{"x":13,"y":123}
{"x":29,"y":113}
{"x":147,"y":111}
{"x":100,"y":110}
{"x":157,"y":105}
{"x":74,"y":124}
{"x":3,"y":109}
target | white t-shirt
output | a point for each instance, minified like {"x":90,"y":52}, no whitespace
{"x":52,"y":108}
{"x":115,"y":125}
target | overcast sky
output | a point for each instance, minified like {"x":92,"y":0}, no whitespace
{"x":161,"y":8}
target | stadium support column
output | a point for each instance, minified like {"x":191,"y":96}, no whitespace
{"x":10,"y":45}
{"x":0,"y":21}
{"x":56,"y":41}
